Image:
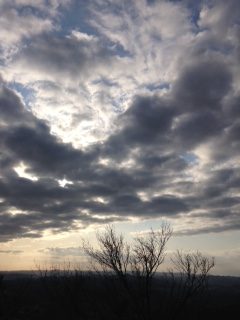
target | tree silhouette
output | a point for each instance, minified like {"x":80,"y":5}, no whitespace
{"x":141,"y":261}
{"x":190,"y":277}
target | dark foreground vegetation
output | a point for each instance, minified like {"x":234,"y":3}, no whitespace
{"x":81,"y":295}
{"x":124,"y":285}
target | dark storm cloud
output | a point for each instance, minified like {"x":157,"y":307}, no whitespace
{"x":11,"y":107}
{"x":127,"y":204}
{"x":202,"y":86}
{"x":232,"y":226}
{"x":41,"y":149}
{"x":220,"y":182}
{"x":45,"y":204}
{"x":12,"y":227}
{"x":147,"y":126}
{"x":156,"y":134}
{"x":197,"y":127}
{"x":199,"y":92}
{"x":146,"y":122}
{"x":191,"y":115}
{"x":25,"y":138}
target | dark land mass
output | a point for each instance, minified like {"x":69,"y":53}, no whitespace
{"x":84,"y":295}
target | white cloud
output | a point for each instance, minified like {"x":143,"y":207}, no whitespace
{"x":22,"y":172}
{"x":16,"y":26}
{"x":89,"y":94}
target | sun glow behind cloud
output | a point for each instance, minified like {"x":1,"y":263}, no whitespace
{"x":22,"y":171}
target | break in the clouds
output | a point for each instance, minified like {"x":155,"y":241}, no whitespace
{"x":114,"y":111}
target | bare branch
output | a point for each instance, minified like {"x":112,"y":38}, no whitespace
{"x":113,"y":254}
{"x":149,"y":252}
{"x":194,"y":269}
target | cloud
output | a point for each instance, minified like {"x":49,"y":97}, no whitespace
{"x":10,"y":251}
{"x":62,"y":252}
{"x":202,"y":85}
{"x":128,"y":151}
{"x":19,"y":21}
{"x":211,"y":229}
{"x":63,"y":57}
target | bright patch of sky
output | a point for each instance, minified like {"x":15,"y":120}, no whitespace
{"x":190,"y":158}
{"x":22,"y":171}
{"x":137,"y":60}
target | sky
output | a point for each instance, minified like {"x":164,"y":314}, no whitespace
{"x":119,"y":112}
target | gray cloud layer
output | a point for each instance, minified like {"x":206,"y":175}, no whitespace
{"x":148,"y":157}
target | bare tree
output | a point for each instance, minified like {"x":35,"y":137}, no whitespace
{"x":148,"y":255}
{"x":190,"y":277}
{"x":149,"y":251}
{"x":113,"y":254}
{"x":194,"y":269}
{"x":142,"y":260}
